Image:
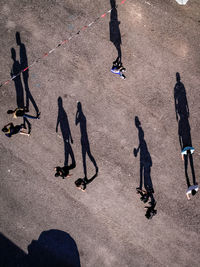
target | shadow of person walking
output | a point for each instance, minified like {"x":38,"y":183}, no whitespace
{"x":17,"y":80}
{"x":115,"y":38}
{"x":67,"y":138}
{"x":53,"y":248}
{"x":81,"y":119}
{"x":184,"y":132}
{"x":24,"y":65}
{"x":145,"y":172}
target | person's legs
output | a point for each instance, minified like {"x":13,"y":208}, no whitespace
{"x":192,"y":169}
{"x":28,"y":124}
{"x":186,"y":173}
{"x":30,"y":117}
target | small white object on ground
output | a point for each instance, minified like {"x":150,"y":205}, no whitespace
{"x":182,"y":2}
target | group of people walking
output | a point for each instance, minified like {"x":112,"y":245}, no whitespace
{"x":182,"y":115}
{"x":80,"y":119}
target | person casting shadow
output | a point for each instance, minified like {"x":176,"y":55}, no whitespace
{"x":115,"y":38}
{"x":10,"y":129}
{"x":17,"y":80}
{"x":184,"y":132}
{"x":81,"y":119}
{"x":24,"y":65}
{"x":115,"y":35}
{"x":67,"y":138}
{"x":145,"y":172}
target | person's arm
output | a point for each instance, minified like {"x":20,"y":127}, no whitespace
{"x":9,"y":124}
{"x":24,"y":133}
{"x":136,"y":150}
{"x":188,"y":197}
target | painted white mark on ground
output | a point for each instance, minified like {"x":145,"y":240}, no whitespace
{"x":148,"y":3}
{"x":8,"y":170}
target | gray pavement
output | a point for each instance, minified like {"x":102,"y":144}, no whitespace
{"x":107,"y":222}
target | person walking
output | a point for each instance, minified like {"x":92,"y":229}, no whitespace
{"x":21,"y":112}
{"x":118,"y":68}
{"x":62,"y":171}
{"x":10,"y":129}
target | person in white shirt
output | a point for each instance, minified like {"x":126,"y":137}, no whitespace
{"x":185,"y":153}
{"x":193,"y":189}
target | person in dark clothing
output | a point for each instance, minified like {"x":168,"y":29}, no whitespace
{"x":184,"y":132}
{"x":81,"y":119}
{"x":81,"y":183}
{"x":115,"y":38}
{"x":62,"y":171}
{"x":150,"y":212}
{"x":10,"y":129}
{"x":145,"y":171}
{"x":118,"y":68}
{"x":25,"y":74}
{"x":62,"y":120}
{"x":21,"y":112}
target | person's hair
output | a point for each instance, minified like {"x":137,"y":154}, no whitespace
{"x":57,"y":174}
{"x":4,"y":129}
{"x":10,"y":111}
{"x":79,"y":182}
{"x":194,"y":192}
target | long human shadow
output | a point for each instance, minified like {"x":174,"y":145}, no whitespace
{"x":81,"y":119}
{"x":53,"y":248}
{"x":66,"y":134}
{"x":16,"y":68}
{"x":184,"y":132}
{"x":115,"y":35}
{"x":145,"y":171}
{"x":25,"y":74}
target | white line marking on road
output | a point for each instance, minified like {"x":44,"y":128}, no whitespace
{"x":148,"y":3}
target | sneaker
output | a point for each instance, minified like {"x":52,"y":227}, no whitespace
{"x":123,"y":69}
{"x":122,"y":76}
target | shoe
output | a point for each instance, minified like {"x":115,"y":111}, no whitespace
{"x":123,"y":69}
{"x":122,"y":76}
{"x":38,"y":115}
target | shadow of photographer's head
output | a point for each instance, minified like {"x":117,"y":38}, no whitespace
{"x":53,"y":248}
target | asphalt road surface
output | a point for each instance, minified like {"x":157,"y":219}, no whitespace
{"x":106,"y":224}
